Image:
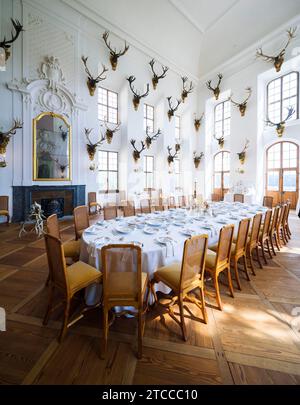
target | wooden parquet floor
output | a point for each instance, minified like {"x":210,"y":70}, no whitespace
{"x":250,"y":342}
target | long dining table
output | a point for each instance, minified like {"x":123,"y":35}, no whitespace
{"x":161,"y":235}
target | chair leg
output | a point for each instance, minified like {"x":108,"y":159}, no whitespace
{"x":8,"y":217}
{"x":257,"y":256}
{"x":262,"y":246}
{"x":47,"y":314}
{"x":277,"y":241}
{"x":251,"y":263}
{"x":140,"y":334}
{"x":202,"y":298}
{"x":236,"y":272}
{"x":153,"y":291}
{"x":230,"y":282}
{"x":269,"y":249}
{"x":182,"y":323}
{"x":246,"y":267}
{"x":65,"y":322}
{"x":218,"y":297}
{"x":105,"y":332}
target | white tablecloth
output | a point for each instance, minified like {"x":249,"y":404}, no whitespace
{"x":171,"y":223}
{"x":248,"y":198}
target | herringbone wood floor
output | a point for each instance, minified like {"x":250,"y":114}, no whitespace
{"x":250,"y":342}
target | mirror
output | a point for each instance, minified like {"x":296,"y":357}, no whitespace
{"x":51,"y":148}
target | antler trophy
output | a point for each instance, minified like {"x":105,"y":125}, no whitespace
{"x":171,"y":108}
{"x":216,"y":90}
{"x":93,"y":81}
{"x":137,"y":152}
{"x":186,"y":91}
{"x":109,"y":133}
{"x":114,"y":55}
{"x":6,"y":44}
{"x":243,"y":105}
{"x":150,"y":138}
{"x":136,"y":96}
{"x":242,"y":155}
{"x":278,"y":59}
{"x":280,"y":126}
{"x":5,"y":138}
{"x":90,"y":146}
{"x":170,"y":156}
{"x":220,"y":140}
{"x":156,"y":77}
{"x":197,"y":159}
{"x":197,"y":122}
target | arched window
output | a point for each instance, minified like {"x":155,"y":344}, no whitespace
{"x":221,"y":173}
{"x":222,"y":119}
{"x":281,"y":94}
{"x":282,"y":164}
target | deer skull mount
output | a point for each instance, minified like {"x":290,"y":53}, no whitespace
{"x":156,"y":77}
{"x":216,"y":90}
{"x":137,"y":152}
{"x":172,"y":109}
{"x":90,"y":146}
{"x":6,"y":44}
{"x":243,"y":105}
{"x":186,"y":90}
{"x":279,"y":58}
{"x":150,"y":139}
{"x":197,"y":122}
{"x":114,"y":55}
{"x":5,"y":138}
{"x":136,"y":96}
{"x":242,"y":154}
{"x":93,"y":81}
{"x":171,"y":156}
{"x":280,"y":126}
{"x":197,"y":159}
{"x":220,"y":140}
{"x":109,"y":133}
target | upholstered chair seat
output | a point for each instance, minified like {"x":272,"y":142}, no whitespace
{"x":80,"y":275}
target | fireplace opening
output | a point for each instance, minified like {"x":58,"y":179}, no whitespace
{"x":53,"y":206}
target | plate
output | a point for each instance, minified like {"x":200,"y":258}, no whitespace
{"x":221,"y":222}
{"x":103,"y":240}
{"x":187,"y":232}
{"x":154,"y":223}
{"x":163,"y":240}
{"x":179,"y":223}
{"x":101,"y":223}
{"x":123,"y":229}
{"x":90,"y":232}
{"x":206,"y":227}
{"x":119,"y":218}
{"x":150,"y":231}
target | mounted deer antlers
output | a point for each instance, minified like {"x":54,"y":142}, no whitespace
{"x":136,"y":96}
{"x":156,"y":77}
{"x":172,"y":109}
{"x":91,"y":81}
{"x":186,"y":91}
{"x":280,"y":126}
{"x":216,"y":90}
{"x":243,"y":105}
{"x":197,"y":122}
{"x":6,"y":44}
{"x":197,"y":159}
{"x":114,"y":55}
{"x":242,"y":155}
{"x":278,"y":59}
{"x":137,"y":153}
{"x":90,"y":146}
{"x":109,"y":133}
{"x":220,"y":140}
{"x":170,"y":156}
{"x":4,"y":140}
{"x":150,"y":138}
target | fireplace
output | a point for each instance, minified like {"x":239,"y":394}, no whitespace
{"x":60,"y":200}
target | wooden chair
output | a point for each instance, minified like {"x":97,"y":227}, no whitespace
{"x":215,"y":197}
{"x":185,"y":277}
{"x":219,"y":261}
{"x":253,"y":241}
{"x":279,"y":230}
{"x":238,"y":198}
{"x":268,"y":202}
{"x":172,"y":203}
{"x":181,"y":201}
{"x":66,"y":280}
{"x":81,"y":220}
{"x":145,"y":206}
{"x":110,"y":212}
{"x":128,"y":210}
{"x":4,"y":207}
{"x":286,"y":221}
{"x":284,"y":226}
{"x":264,"y":236}
{"x":273,"y":233}
{"x":92,"y":203}
{"x":124,"y":284}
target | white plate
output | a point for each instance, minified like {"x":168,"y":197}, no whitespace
{"x":154,"y":223}
{"x":103,"y":240}
{"x":187,"y":232}
{"x":90,"y":232}
{"x":123,"y":229}
{"x":179,"y":223}
{"x":119,"y":218}
{"x":163,"y":240}
{"x":150,"y":231}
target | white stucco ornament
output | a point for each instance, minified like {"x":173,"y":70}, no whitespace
{"x":51,"y":70}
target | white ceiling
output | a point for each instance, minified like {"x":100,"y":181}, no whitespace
{"x":195,"y":35}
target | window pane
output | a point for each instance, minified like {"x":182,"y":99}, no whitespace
{"x":273,"y":181}
{"x":289,"y":180}
{"x":107,"y":105}
{"x":218,"y":162}
{"x":112,"y":180}
{"x":113,"y":161}
{"x":103,"y":160}
{"x":103,"y":181}
{"x":226,"y":161}
{"x":226,"y":180}
{"x":217,"y":180}
{"x":177,"y":166}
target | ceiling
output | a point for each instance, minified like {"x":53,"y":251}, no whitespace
{"x":195,"y":35}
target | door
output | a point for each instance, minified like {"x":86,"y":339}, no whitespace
{"x":221,"y":173}
{"x":283,"y":172}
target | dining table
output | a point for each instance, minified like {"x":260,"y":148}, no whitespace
{"x":160,"y":234}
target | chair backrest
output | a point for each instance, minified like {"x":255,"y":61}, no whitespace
{"x":182,"y":201}
{"x":92,"y":197}
{"x":274,"y":219}
{"x":268,"y":201}
{"x":193,"y":261}
{"x":224,"y":244}
{"x":110,"y":212}
{"x":81,"y":219}
{"x":4,"y":202}
{"x":52,"y":226}
{"x":267,"y":224}
{"x":285,"y":213}
{"x":129,"y":211}
{"x":121,"y":262}
{"x":280,"y":216}
{"x":238,"y":198}
{"x":56,"y":262}
{"x":255,"y":229}
{"x":172,"y":203}
{"x":286,"y":219}
{"x":215,"y":197}
{"x":145,"y":206}
{"x":242,"y":236}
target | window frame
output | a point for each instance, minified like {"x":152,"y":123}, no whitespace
{"x":107,"y":191}
{"x":146,"y":118}
{"x":222,"y":171}
{"x":147,"y":173}
{"x":223,"y":119}
{"x":107,"y":106}
{"x":281,"y":95}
